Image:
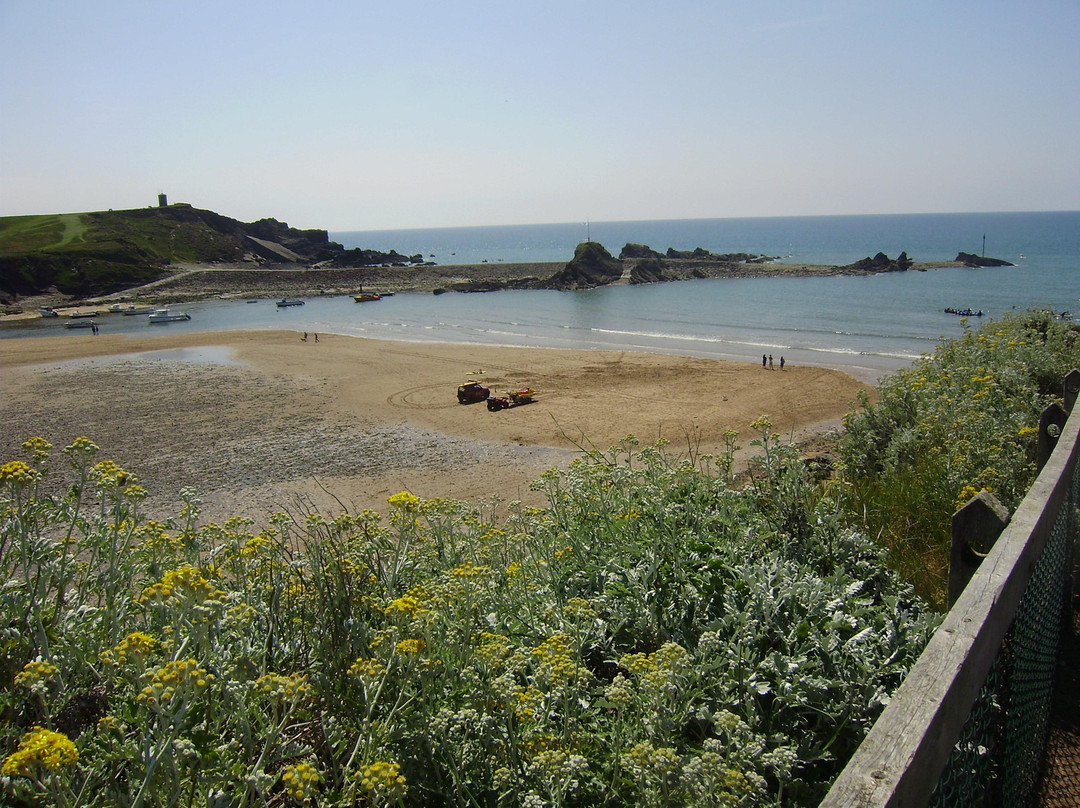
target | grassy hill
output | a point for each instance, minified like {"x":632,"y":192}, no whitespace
{"x":82,"y":254}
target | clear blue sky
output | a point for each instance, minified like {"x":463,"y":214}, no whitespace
{"x":370,"y":115}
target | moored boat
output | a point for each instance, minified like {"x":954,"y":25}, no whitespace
{"x":82,"y":323}
{"x":965,"y":312}
{"x":364,"y":297}
{"x":83,"y":315}
{"x":47,"y":312}
{"x":284,"y":302}
{"x":166,"y":316}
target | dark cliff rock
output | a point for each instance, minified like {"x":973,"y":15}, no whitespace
{"x":881,"y":263}
{"x":969,"y":260}
{"x":635,"y":251}
{"x":592,"y":265}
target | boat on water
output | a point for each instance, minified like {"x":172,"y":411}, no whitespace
{"x":364,"y":297}
{"x":965,"y":312}
{"x":81,"y":323}
{"x":284,"y":302}
{"x":47,"y":312}
{"x":83,"y":315}
{"x":119,"y":308}
{"x":166,"y":316}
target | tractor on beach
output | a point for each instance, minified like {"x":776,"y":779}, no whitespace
{"x":513,"y":399}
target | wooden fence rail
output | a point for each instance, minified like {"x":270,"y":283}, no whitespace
{"x":968,"y":724}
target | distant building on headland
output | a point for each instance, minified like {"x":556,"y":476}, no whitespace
{"x":162,"y":201}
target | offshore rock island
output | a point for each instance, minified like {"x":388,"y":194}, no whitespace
{"x":179,"y":252}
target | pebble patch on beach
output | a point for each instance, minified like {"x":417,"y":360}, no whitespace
{"x":224,"y":428}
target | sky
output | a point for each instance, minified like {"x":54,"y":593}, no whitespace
{"x":354,"y":115}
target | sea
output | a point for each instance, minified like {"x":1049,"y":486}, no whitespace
{"x":865,"y":325}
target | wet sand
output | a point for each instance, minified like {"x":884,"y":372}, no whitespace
{"x":258,"y":422}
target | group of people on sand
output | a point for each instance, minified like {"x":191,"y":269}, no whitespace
{"x":304,"y":338}
{"x":766,"y":361}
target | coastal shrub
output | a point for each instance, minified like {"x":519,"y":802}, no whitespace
{"x":960,"y":420}
{"x":653,"y":636}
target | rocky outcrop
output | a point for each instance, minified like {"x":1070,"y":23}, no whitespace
{"x":638,"y":251}
{"x":592,"y":265}
{"x":969,"y":260}
{"x":880,"y":263}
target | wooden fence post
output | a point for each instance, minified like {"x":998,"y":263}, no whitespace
{"x":1072,"y":388}
{"x":1051,"y":421}
{"x":975,"y":528}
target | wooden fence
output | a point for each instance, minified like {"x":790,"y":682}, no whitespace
{"x":968,"y":725}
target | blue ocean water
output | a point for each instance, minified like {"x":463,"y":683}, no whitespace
{"x":865,"y":325}
{"x":832,"y":240}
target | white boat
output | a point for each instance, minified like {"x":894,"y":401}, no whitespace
{"x":166,"y":316}
{"x":80,"y":324}
{"x":120,"y":308}
{"x":47,"y":312}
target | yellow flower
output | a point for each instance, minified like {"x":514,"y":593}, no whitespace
{"x":174,"y":683}
{"x":40,"y":748}
{"x":110,"y":475}
{"x":762,"y":423}
{"x":16,"y":473}
{"x":135,"y":647}
{"x":409,"y":647}
{"x":82,"y":448}
{"x":300,"y":780}
{"x":39,"y":447}
{"x":34,"y":672}
{"x":468,"y":570}
{"x":404,"y":501}
{"x":384,"y":781}
{"x":367,"y":668}
{"x":965,"y":495}
{"x":279,"y":688}
{"x":183,"y":584}
{"x":406,"y":605}
{"x":553,"y":655}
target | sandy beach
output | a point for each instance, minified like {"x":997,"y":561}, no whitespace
{"x":258,"y":422}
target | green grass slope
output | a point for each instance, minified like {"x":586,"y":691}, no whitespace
{"x":83,"y":254}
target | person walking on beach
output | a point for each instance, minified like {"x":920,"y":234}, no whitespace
{"x":304,"y":338}
{"x":770,"y":361}
{"x":316,"y":337}
{"x":763,"y":360}
{"x":781,"y":363}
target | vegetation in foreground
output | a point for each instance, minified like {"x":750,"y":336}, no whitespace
{"x":961,"y":420}
{"x":656,"y":635}
{"x":653,"y":637}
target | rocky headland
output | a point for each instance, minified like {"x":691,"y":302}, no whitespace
{"x":177,"y":252}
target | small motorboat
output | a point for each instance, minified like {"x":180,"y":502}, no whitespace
{"x":285,"y":302}
{"x":82,"y":323}
{"x":365,"y":297}
{"x":83,"y":315}
{"x":47,"y":312}
{"x":166,"y":316}
{"x":130,"y":310}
